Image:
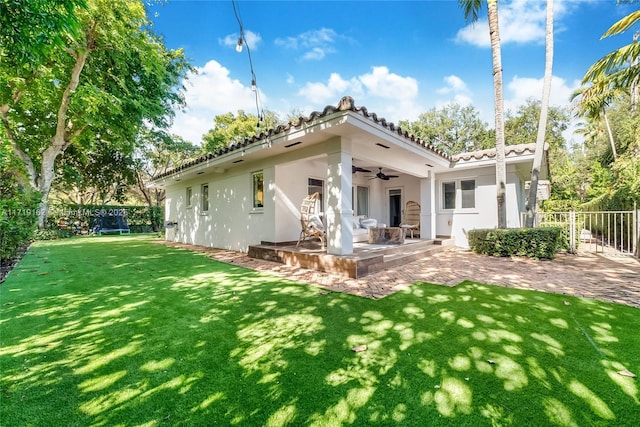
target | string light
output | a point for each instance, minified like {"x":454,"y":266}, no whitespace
{"x":242,"y":41}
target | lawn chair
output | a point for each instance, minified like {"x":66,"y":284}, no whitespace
{"x":310,"y":221}
{"x":411,"y":218}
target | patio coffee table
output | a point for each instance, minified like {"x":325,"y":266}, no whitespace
{"x":386,"y":235}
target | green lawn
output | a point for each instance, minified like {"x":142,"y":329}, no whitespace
{"x":122,"y":331}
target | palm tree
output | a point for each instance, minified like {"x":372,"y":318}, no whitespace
{"x":591,"y":102}
{"x":471,"y":10}
{"x":532,"y":202}
{"x":613,"y":75}
{"x":618,"y":69}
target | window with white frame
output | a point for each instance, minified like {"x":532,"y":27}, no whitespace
{"x":459,"y":194}
{"x":257,"y":189}
{"x":317,"y":186}
{"x":449,"y":195}
{"x":360,"y":200}
{"x":468,"y":194}
{"x":204,"y":193}
{"x":187,"y":197}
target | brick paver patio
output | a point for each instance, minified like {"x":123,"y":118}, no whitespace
{"x":614,"y":278}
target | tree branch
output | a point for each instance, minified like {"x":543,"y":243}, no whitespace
{"x":28,"y":162}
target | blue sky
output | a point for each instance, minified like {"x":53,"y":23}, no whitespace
{"x":397,"y":58}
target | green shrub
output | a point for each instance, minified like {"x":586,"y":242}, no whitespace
{"x":51,"y":234}
{"x":541,"y":242}
{"x":565,"y":235}
{"x":18,"y":219}
{"x":141,"y":219}
{"x":559,"y":205}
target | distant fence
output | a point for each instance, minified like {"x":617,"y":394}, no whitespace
{"x":597,"y":231}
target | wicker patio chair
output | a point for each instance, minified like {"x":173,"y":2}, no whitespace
{"x":411,"y":218}
{"x":310,"y":221}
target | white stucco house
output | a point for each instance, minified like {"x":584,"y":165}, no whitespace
{"x":251,"y":192}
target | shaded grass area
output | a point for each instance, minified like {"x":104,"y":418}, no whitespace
{"x":121,"y":331}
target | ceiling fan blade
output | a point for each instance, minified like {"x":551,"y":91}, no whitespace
{"x":392,"y":176}
{"x":355,"y":169}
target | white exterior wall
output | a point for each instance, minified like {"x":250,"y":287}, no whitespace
{"x":456,"y":223}
{"x":231,"y":222}
{"x":290,"y":190}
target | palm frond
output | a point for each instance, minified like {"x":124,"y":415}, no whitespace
{"x":612,"y":62}
{"x":471,"y":9}
{"x":589,"y":101}
{"x":623,"y":24}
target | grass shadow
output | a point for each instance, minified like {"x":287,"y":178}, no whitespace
{"x":123,"y":331}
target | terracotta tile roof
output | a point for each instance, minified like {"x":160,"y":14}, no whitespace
{"x":491,"y":152}
{"x":346,"y":104}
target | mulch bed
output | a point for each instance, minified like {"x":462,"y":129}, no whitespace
{"x":6,"y":265}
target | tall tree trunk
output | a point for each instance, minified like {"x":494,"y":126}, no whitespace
{"x":609,"y":133}
{"x":635,"y":90}
{"x":532,"y":200}
{"x":61,"y":140}
{"x":501,"y":172}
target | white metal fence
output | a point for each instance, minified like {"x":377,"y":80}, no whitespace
{"x":597,"y":231}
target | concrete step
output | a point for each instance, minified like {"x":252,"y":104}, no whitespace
{"x":400,"y":258}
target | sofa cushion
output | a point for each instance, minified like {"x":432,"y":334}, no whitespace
{"x":316,"y":222}
{"x":368,"y":223}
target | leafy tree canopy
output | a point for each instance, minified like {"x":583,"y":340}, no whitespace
{"x":521,"y":126}
{"x":97,"y":88}
{"x":229,"y":129}
{"x":156,"y":153}
{"x":453,"y":129}
{"x":31,"y":29}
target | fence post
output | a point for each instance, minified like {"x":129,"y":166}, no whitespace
{"x":572,"y":230}
{"x":636,"y":230}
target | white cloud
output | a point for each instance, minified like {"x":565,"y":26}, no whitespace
{"x":380,"y":82}
{"x":318,"y":92}
{"x":458,"y":91}
{"x":520,"y":21}
{"x":454,"y":84}
{"x":290,"y":79}
{"x":252,"y":39}
{"x":316,"y":44}
{"x":317,"y":53}
{"x":520,"y":89}
{"x":460,"y":99}
{"x":387,"y":94}
{"x":210,"y":92}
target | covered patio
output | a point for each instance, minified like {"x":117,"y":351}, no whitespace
{"x":365,"y":259}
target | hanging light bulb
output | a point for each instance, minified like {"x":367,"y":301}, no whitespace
{"x":239,"y":45}
{"x":253,"y":85}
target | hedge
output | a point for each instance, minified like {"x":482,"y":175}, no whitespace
{"x":18,"y":219}
{"x":541,"y":242}
{"x":79,"y":218}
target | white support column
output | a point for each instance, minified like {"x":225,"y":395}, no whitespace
{"x":428,"y":207}
{"x":339,"y":215}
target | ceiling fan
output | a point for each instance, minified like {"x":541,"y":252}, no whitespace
{"x":383,"y":176}
{"x":355,"y":169}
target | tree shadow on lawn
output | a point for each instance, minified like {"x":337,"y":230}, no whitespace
{"x":122,"y":331}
